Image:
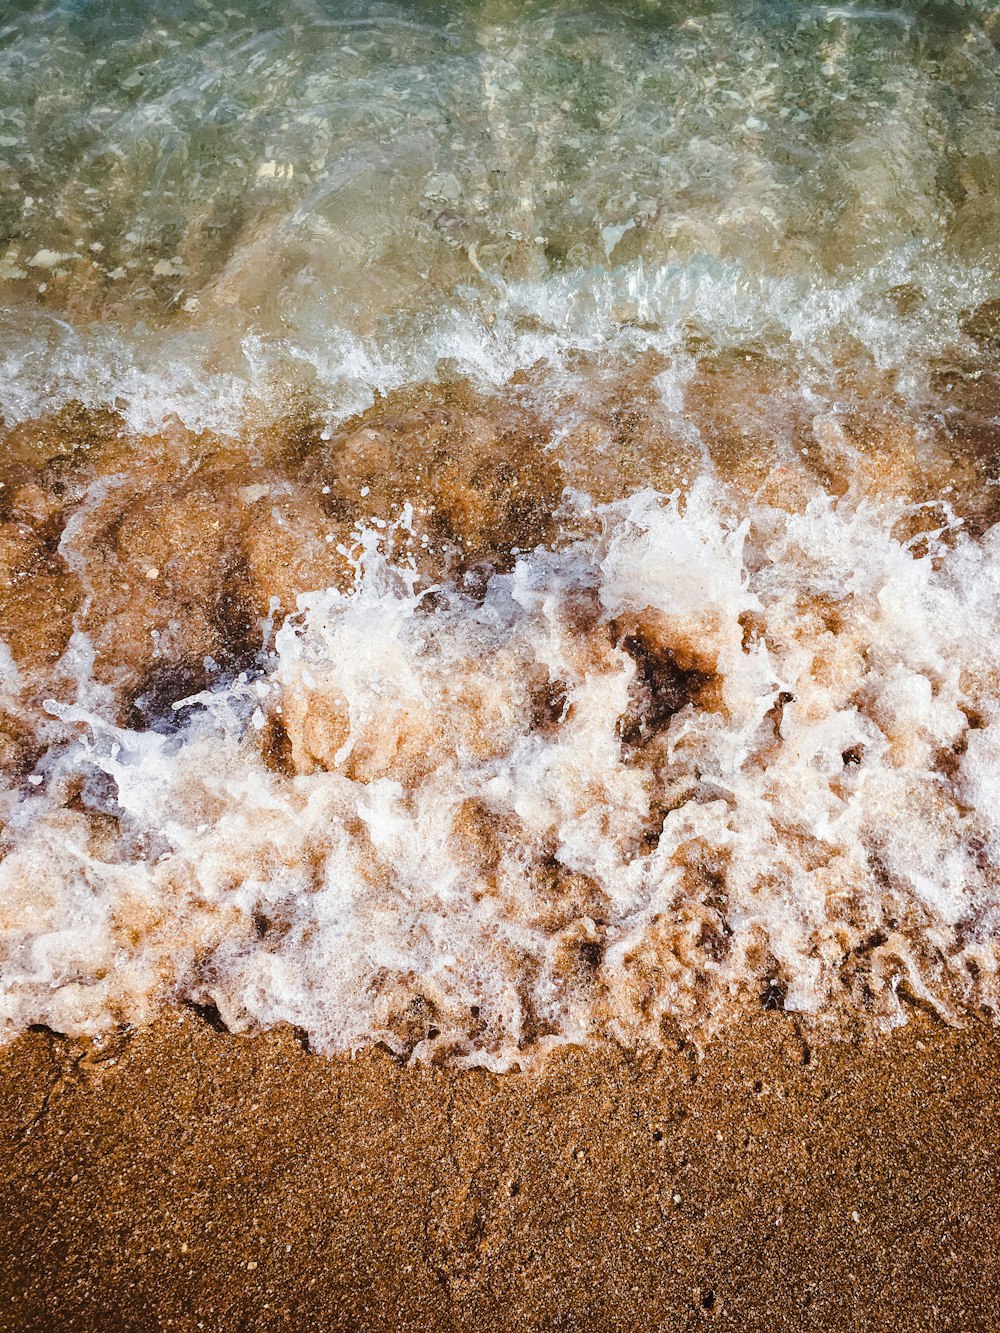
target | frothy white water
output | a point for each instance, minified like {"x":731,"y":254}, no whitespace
{"x":703,"y":749}
{"x":696,"y":756}
{"x":215,"y":375}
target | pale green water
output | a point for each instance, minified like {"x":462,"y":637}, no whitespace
{"x":365,"y":191}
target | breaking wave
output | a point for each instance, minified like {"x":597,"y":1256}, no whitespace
{"x":498,"y":517}
{"x":696,"y":756}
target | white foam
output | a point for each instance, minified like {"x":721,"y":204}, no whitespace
{"x":704,"y":749}
{"x":221,"y":373}
{"x":466,"y":854}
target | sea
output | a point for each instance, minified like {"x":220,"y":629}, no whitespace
{"x":499,"y":518}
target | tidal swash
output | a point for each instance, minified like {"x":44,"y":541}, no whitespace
{"x":499,"y":517}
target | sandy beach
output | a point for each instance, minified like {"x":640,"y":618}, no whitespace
{"x":187,"y":1179}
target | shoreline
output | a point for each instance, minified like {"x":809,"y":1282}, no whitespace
{"x":192,"y":1179}
{"x":500,"y":575}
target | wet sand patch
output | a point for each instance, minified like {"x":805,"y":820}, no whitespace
{"x":185,"y":1179}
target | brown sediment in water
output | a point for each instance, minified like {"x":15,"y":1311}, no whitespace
{"x":170,"y":552}
{"x":182,"y":1178}
{"x":173,"y":551}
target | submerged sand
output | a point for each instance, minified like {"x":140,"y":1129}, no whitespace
{"x":189,"y":1179}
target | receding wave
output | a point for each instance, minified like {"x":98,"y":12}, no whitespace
{"x":499,"y":519}
{"x":701,"y":753}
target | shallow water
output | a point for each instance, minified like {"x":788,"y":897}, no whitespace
{"x":498,"y":517}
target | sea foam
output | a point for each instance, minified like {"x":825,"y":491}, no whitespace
{"x":703,"y":754}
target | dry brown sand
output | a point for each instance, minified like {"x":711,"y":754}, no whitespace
{"x":188,"y":1179}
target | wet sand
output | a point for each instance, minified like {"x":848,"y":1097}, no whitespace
{"x":189,"y":1179}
